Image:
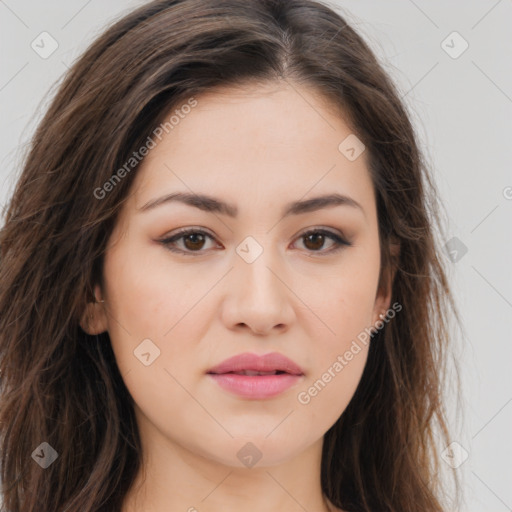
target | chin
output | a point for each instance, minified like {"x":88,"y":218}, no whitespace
{"x":258,"y":451}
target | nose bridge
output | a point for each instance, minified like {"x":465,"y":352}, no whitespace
{"x":257,"y":266}
{"x":259,"y":298}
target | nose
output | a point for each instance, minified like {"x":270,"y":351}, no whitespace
{"x":258,"y":297}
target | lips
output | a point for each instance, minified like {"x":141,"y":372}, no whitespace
{"x":256,"y":377}
{"x":254,"y":365}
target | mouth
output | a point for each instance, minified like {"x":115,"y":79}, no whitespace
{"x":256,"y":377}
{"x":252,"y":373}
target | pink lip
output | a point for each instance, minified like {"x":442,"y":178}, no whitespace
{"x":256,"y":386}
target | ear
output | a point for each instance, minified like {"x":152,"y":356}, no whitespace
{"x":94,"y":317}
{"x":387,"y":276}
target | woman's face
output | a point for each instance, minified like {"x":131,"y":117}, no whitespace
{"x":247,"y":280}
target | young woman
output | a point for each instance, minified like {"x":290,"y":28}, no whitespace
{"x":220,"y":283}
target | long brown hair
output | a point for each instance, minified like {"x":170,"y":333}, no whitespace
{"x":62,"y":387}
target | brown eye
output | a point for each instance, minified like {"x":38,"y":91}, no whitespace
{"x":192,"y":241}
{"x":315,"y":239}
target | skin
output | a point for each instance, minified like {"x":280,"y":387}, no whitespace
{"x":258,"y":147}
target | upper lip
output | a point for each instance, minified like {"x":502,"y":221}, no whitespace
{"x":254,"y":362}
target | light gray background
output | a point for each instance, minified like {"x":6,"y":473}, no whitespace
{"x":462,"y":108}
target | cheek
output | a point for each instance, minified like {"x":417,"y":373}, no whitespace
{"x":324,"y":398}
{"x":339,"y":357}
{"x":152,"y":310}
{"x":345,"y":306}
{"x":144,"y":298}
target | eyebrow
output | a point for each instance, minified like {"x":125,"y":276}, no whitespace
{"x":214,"y":205}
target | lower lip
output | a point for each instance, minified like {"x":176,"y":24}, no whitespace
{"x":255,"y":386}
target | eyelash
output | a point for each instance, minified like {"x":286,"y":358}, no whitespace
{"x":339,"y":242}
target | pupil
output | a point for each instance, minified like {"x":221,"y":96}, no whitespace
{"x":194,"y":237}
{"x":318,"y":237}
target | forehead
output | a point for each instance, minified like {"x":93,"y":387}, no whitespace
{"x":269,"y":139}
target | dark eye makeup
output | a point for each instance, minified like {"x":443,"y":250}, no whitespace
{"x":197,"y":236}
